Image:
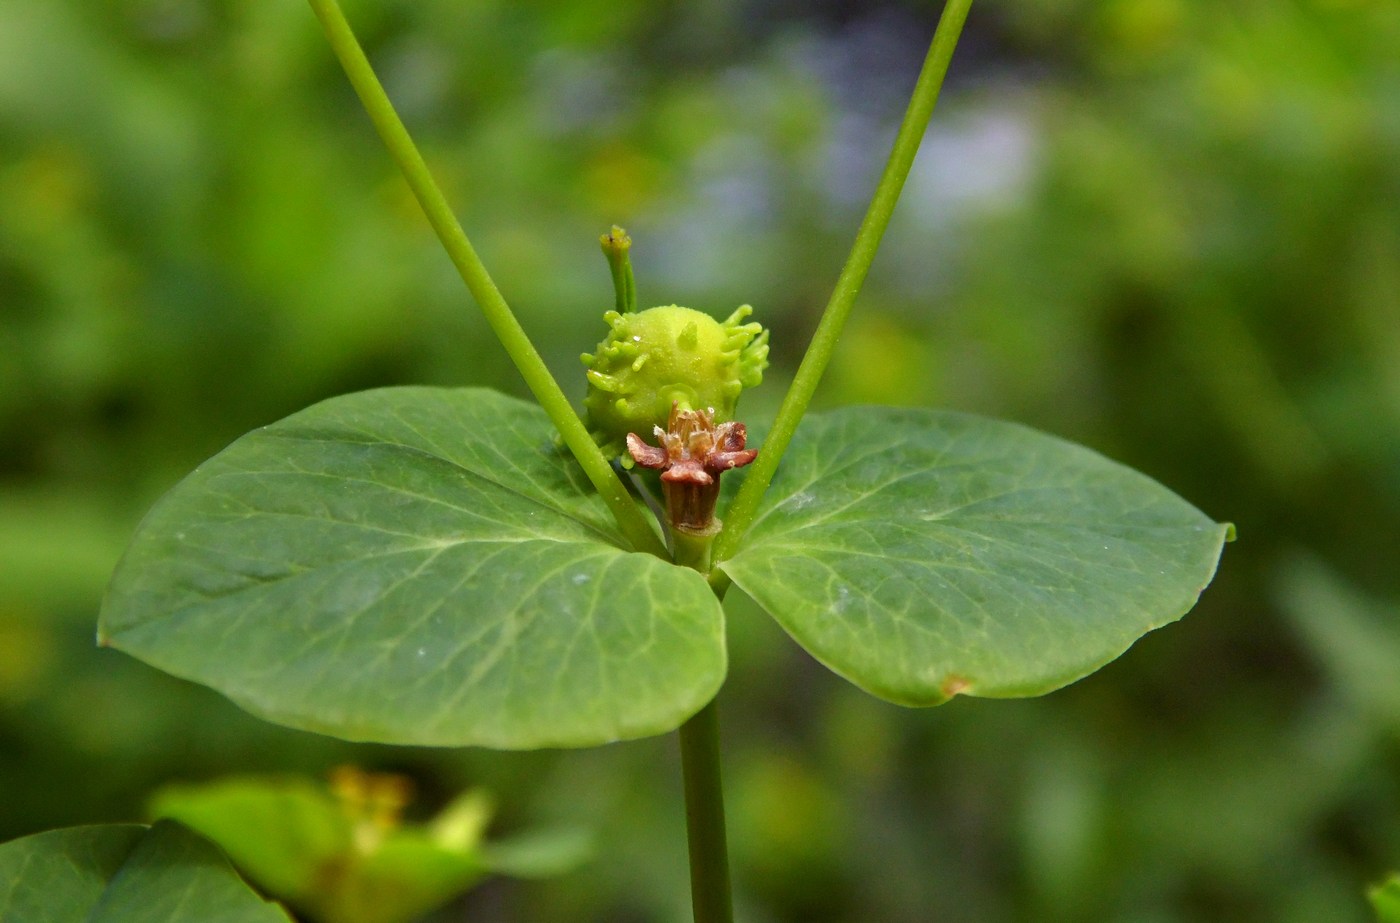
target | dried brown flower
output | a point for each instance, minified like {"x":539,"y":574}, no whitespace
{"x":693,"y":453}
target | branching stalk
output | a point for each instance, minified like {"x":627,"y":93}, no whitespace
{"x":699,"y":737}
{"x":502,"y":320}
{"x":741,"y":512}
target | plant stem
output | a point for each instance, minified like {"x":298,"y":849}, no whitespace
{"x":499,"y":316}
{"x":704,"y":818}
{"x":692,"y":549}
{"x":710,"y":894}
{"x":741,"y":512}
{"x":616,"y":243}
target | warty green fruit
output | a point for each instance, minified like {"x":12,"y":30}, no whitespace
{"x":669,"y":355}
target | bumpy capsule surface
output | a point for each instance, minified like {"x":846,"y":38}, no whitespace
{"x":669,"y":355}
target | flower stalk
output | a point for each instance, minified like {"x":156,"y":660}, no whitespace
{"x":615,"y":245}
{"x":630,"y":518}
{"x":744,"y":510}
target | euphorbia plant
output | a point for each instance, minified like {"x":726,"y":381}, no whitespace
{"x":425,"y":566}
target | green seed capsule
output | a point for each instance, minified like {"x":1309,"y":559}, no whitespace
{"x":654,"y":358}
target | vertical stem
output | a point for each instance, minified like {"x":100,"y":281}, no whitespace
{"x":704,"y":818}
{"x":693,"y":549}
{"x":741,"y":512}
{"x":498,"y":314}
{"x":710,"y":893}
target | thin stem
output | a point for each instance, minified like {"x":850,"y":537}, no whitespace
{"x":616,"y":243}
{"x":740,"y":514}
{"x":499,"y":316}
{"x":710,"y":893}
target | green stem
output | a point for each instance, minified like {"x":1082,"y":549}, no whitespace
{"x":499,"y":316}
{"x":710,"y":894}
{"x":616,"y":243}
{"x":693,"y":549}
{"x":741,"y":512}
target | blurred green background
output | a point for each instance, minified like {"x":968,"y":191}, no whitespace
{"x":1167,"y":229}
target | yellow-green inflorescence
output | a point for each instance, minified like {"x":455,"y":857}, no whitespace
{"x":653,"y":359}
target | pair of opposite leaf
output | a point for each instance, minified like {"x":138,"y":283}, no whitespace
{"x":416,"y":566}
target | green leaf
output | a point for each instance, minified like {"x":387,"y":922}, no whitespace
{"x":462,"y":823}
{"x":60,"y":875}
{"x":921,"y":554}
{"x":540,"y":854}
{"x":415,"y":566}
{"x":1385,"y":898}
{"x":407,"y":876}
{"x":284,"y":833}
{"x":124,"y":872}
{"x":298,"y":841}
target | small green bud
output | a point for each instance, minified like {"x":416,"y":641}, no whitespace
{"x":654,"y":359}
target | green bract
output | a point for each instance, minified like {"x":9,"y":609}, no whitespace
{"x":654,"y":358}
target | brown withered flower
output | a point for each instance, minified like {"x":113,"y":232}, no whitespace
{"x":693,"y":453}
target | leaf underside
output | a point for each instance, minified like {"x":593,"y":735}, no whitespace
{"x":923,"y":554}
{"x":123,"y":872}
{"x":415,"y":566}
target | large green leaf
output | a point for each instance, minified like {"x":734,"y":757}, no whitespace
{"x":415,"y":566}
{"x":60,"y":875}
{"x":124,"y":872}
{"x":921,"y":554}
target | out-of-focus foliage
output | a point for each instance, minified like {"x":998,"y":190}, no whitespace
{"x":1170,"y":230}
{"x":344,"y":855}
{"x":1386,"y":899}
